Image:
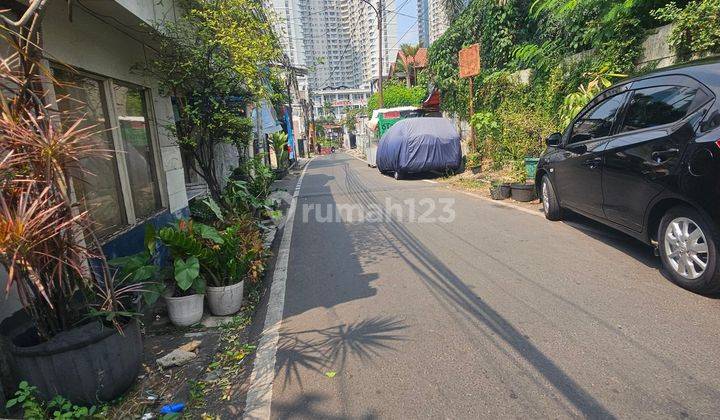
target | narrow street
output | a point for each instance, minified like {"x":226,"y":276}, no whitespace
{"x":497,"y":313}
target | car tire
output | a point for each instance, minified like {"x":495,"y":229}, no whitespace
{"x":690,"y":258}
{"x":398,"y":176}
{"x":551,"y":206}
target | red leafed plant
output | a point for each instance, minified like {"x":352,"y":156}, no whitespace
{"x":47,"y":244}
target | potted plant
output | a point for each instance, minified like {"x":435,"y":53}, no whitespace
{"x":226,"y":273}
{"x":83,"y":324}
{"x":496,"y":192}
{"x":531,"y":164}
{"x":188,"y":245}
{"x":240,"y":256}
{"x":280,"y":147}
{"x":83,"y":341}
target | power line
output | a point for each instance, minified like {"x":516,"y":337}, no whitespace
{"x":403,"y":35}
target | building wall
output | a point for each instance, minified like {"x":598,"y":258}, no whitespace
{"x":150,"y":11}
{"x":423,"y":23}
{"x":93,"y":46}
{"x":438,"y":20}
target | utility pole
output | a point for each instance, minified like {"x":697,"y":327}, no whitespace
{"x":380,"y":55}
{"x":378,"y":13}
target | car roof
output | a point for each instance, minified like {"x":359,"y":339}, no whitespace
{"x":705,"y":71}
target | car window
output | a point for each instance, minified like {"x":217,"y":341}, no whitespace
{"x":597,"y":121}
{"x":657,"y":106}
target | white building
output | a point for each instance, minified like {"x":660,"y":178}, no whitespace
{"x":337,"y":40}
{"x":433,"y":20}
{"x":340,"y":101}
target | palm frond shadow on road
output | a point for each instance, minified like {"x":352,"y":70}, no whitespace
{"x":452,"y":291}
{"x":331,"y":348}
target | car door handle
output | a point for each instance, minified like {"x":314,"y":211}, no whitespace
{"x":592,"y":163}
{"x":662,"y":155}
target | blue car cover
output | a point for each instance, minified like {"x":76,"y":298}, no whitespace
{"x":419,"y":145}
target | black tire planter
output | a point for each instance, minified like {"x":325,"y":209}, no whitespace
{"x":504,"y":191}
{"x":86,"y":365}
{"x":523,"y":192}
{"x":496,"y":193}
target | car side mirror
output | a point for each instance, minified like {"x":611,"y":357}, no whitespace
{"x":553,"y":139}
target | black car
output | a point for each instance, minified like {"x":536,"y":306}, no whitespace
{"x":644,"y":157}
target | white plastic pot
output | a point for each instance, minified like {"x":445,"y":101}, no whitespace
{"x":225,"y":300}
{"x":186,"y":310}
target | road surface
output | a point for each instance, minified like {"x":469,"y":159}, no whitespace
{"x":492,"y":313}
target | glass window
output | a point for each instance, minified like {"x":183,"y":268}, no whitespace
{"x":135,"y":132}
{"x":657,"y":106}
{"x":97,"y":185}
{"x":598,"y":121}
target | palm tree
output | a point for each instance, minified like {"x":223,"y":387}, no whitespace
{"x":408,"y":59}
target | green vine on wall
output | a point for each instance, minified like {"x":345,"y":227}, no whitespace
{"x":696,"y":30}
{"x":573,"y":48}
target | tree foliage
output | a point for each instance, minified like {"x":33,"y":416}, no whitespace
{"x":697,"y":27}
{"x":213,"y":60}
{"x":395,"y":95}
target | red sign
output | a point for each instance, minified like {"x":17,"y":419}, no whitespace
{"x":469,"y":59}
{"x":391,"y":114}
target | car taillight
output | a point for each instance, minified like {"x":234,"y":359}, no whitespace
{"x":717,"y":143}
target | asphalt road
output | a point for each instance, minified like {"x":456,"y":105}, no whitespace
{"x":495,"y":313}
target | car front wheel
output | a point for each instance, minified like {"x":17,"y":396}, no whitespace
{"x":551,"y":207}
{"x":687,"y":249}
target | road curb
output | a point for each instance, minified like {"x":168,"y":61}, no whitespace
{"x":498,"y":202}
{"x":490,"y":200}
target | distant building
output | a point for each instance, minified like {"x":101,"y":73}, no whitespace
{"x":433,"y":20}
{"x":336,"y":40}
{"x":340,"y":100}
{"x":423,"y":23}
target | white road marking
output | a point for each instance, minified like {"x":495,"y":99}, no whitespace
{"x":430,"y":181}
{"x":259,"y":396}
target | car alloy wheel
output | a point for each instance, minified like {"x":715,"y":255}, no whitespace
{"x":545,"y":196}
{"x":551,"y":208}
{"x":686,"y":248}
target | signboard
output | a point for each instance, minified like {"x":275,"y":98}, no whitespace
{"x":469,"y":59}
{"x":391,"y":114}
{"x":359,"y":102}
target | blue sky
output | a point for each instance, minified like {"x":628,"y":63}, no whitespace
{"x":407,"y":26}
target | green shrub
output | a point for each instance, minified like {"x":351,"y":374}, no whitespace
{"x":696,"y":29}
{"x":473,"y":160}
{"x":395,"y":95}
{"x":58,"y":408}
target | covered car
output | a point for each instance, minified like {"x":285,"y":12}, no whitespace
{"x":417,"y":145}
